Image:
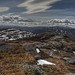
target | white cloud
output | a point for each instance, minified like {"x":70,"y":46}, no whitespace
{"x":36,"y":7}
{"x":2,"y":9}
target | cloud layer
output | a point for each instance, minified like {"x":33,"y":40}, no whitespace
{"x":3,"y":9}
{"x":34,"y":6}
{"x":39,"y":10}
{"x":20,"y":21}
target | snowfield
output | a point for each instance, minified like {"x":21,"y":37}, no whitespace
{"x":74,"y":52}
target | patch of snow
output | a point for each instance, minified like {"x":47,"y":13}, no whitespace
{"x":11,"y":39}
{"x":44,"y":62}
{"x":74,"y":52}
{"x":4,"y":36}
{"x":54,"y":50}
{"x":37,"y":50}
{"x":20,"y":36}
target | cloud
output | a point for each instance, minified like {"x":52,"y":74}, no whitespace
{"x":34,"y":6}
{"x":3,"y":9}
{"x":14,"y":19}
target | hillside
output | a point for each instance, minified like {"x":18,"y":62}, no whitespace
{"x":43,"y":54}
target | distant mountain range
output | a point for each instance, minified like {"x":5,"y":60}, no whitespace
{"x":57,"y":29}
{"x":61,"y":21}
{"x":39,"y":30}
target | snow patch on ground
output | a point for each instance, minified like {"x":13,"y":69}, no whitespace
{"x":37,"y":50}
{"x":44,"y":62}
{"x":11,"y":39}
{"x":54,"y":50}
{"x":74,"y":52}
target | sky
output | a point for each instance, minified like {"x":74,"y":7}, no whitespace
{"x":40,"y":10}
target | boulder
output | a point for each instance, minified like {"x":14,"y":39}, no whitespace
{"x":37,"y":57}
{"x":4,"y":46}
{"x":68,"y":49}
{"x":30,"y":47}
{"x":70,"y":60}
{"x":36,"y":68}
{"x":54,"y":52}
{"x":57,"y":45}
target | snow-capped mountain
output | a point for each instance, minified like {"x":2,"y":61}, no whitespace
{"x":61,"y":21}
{"x":13,"y":34}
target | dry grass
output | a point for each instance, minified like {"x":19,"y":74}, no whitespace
{"x":17,"y":71}
{"x":11,"y":60}
{"x":16,"y":56}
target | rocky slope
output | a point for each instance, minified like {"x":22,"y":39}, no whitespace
{"x":13,"y":34}
{"x":44,"y":54}
{"x":57,"y":29}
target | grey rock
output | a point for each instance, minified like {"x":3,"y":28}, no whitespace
{"x":33,"y":67}
{"x":72,"y":43}
{"x":1,"y":44}
{"x":58,"y":45}
{"x":70,"y":74}
{"x":70,"y":49}
{"x":54,"y":52}
{"x":30,"y":47}
{"x":42,"y":45}
{"x":70,"y":60}
{"x":58,"y":38}
{"x":4,"y":46}
{"x":37,"y":57}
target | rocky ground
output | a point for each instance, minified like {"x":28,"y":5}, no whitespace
{"x":44,"y":54}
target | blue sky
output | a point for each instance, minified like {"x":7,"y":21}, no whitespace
{"x":39,"y":9}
